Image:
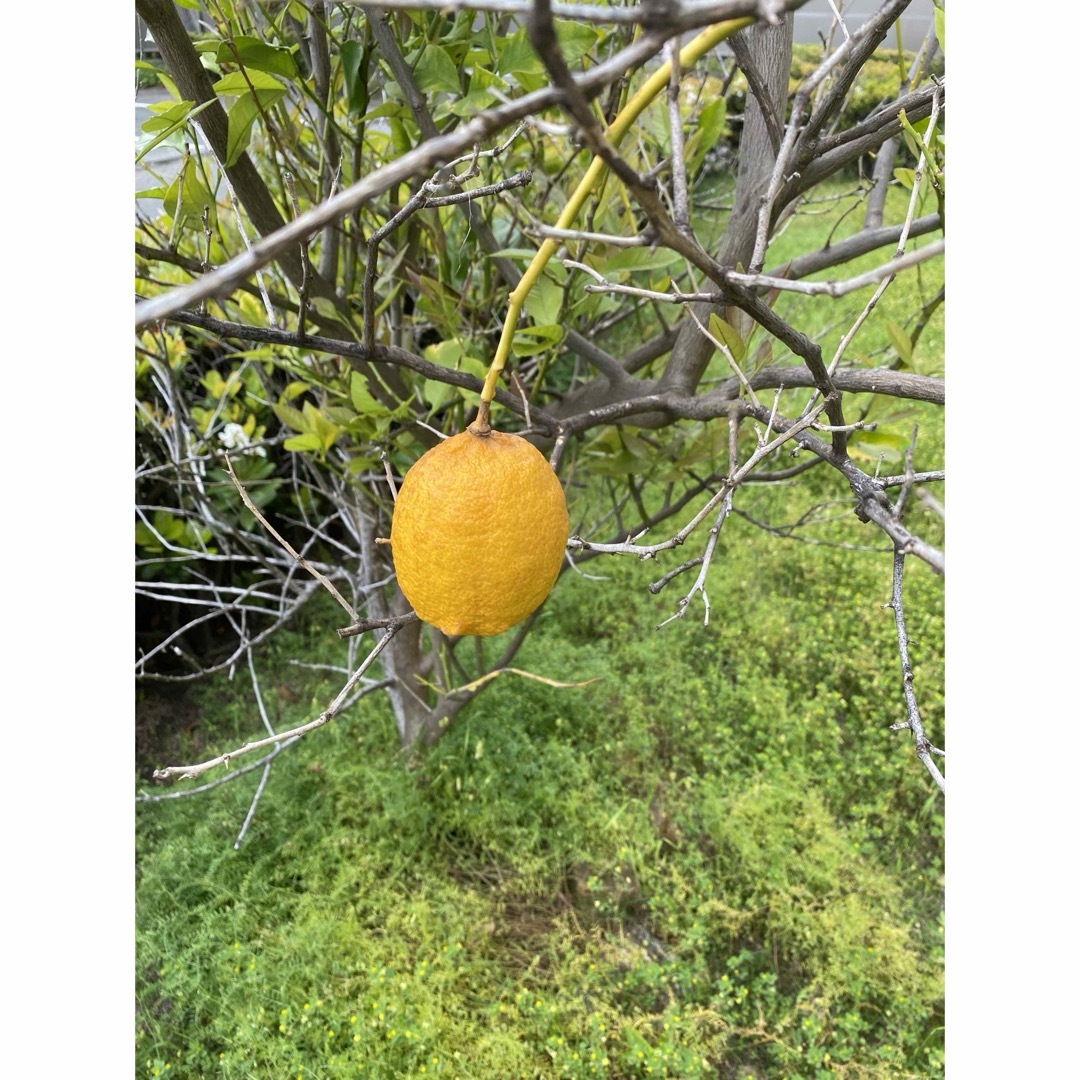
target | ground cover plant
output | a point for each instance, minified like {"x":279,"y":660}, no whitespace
{"x":707,"y":862}
{"x":672,"y":822}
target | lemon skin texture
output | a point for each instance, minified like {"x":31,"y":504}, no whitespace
{"x":479,"y":532}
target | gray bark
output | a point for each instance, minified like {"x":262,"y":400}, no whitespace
{"x":770,"y":50}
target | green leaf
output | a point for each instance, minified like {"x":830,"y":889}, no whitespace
{"x":242,"y":116}
{"x":530,"y":340}
{"x":544,"y":301}
{"x":435,"y":392}
{"x":473,"y":365}
{"x":436,"y":71}
{"x":354,"y":69}
{"x":320,"y":425}
{"x":168,"y":525}
{"x":901,"y":341}
{"x":447,"y":353}
{"x":324,"y":308}
{"x":727,"y":333}
{"x":638,"y":258}
{"x":144,"y":537}
{"x":240,"y":82}
{"x":362,"y":398}
{"x":168,"y":122}
{"x":256,"y":55}
{"x":290,"y":416}
{"x":187,"y":196}
{"x":473,"y":102}
{"x":575,"y":38}
{"x":513,"y":253}
{"x":167,"y":114}
{"x":482,"y":79}
{"x":872,"y":445}
{"x":518,"y":57}
{"x":906,"y":177}
{"x":310,"y":442}
{"x":387,"y":108}
{"x":462,"y":29}
{"x":711,"y":124}
{"x":939,"y":25}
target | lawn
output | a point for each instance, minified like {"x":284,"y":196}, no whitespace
{"x":713,"y":859}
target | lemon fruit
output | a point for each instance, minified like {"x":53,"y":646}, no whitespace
{"x":479,"y":530}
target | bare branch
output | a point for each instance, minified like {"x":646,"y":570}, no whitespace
{"x":688,"y":15}
{"x":923,"y":746}
{"x":190,"y":772}
{"x":834,"y":289}
{"x":680,"y":194}
{"x":352,"y":350}
{"x":321,"y":578}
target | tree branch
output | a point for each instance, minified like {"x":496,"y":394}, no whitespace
{"x":190,"y":772}
{"x":352,"y":350}
{"x":913,"y":723}
{"x":420,"y":160}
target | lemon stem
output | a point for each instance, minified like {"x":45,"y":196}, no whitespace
{"x":482,"y":424}
{"x":622,"y":123}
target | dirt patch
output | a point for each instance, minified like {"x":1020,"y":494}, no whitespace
{"x":166,"y":719}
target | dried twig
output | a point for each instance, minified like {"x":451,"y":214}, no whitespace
{"x":326,"y":583}
{"x":923,"y":746}
{"x":714,"y":532}
{"x":189,"y":772}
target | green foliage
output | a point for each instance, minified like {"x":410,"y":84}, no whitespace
{"x":717,"y":857}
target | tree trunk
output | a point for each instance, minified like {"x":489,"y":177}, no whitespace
{"x":770,"y":51}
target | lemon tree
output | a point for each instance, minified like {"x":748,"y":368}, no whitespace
{"x":602,"y":235}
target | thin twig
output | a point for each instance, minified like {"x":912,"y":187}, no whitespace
{"x":714,"y":533}
{"x":680,"y":193}
{"x":189,"y":772}
{"x":321,"y":578}
{"x":913,"y":723}
{"x":362,"y":626}
{"x":254,"y":802}
{"x":222,"y":779}
{"x":305,"y":262}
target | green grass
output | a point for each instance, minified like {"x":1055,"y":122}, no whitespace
{"x":716,"y":860}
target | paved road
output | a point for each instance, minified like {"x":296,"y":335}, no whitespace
{"x":815,"y":17}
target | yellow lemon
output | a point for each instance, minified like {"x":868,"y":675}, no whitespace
{"x":479,"y":530}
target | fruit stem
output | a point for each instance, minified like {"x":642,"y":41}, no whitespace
{"x":482,"y":424}
{"x":622,"y":123}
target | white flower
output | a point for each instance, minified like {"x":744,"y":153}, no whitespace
{"x":234,"y":437}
